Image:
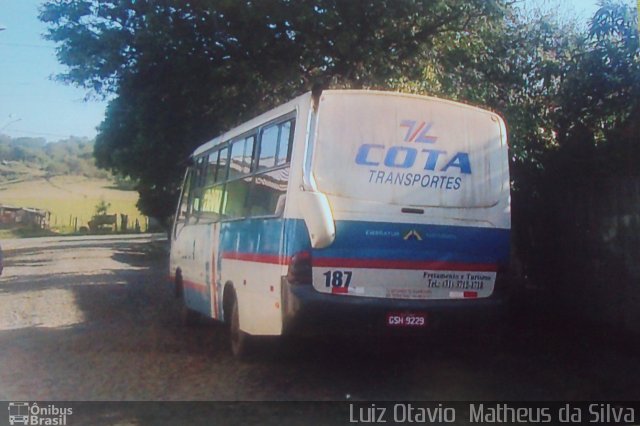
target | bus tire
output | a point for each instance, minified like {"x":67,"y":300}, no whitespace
{"x":177,"y":282}
{"x":238,"y":339}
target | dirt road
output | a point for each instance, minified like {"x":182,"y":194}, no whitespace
{"x":94,"y":318}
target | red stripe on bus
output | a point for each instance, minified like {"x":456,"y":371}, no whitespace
{"x":367,"y":263}
{"x":200,"y":288}
{"x":404,"y":264}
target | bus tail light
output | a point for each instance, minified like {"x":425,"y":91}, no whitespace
{"x":300,"y":268}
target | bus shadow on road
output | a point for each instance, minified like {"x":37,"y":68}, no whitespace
{"x":115,"y":333}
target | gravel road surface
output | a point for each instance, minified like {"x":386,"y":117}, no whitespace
{"x":94,"y":318}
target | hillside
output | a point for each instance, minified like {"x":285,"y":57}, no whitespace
{"x":61,"y":178}
{"x":28,"y":158}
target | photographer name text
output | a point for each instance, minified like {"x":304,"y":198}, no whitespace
{"x":491,"y":413}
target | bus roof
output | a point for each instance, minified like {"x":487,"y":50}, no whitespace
{"x":306,"y":98}
{"x":253,"y":123}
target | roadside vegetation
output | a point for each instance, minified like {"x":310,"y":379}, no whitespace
{"x":180,"y":73}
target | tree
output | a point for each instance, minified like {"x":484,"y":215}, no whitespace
{"x":598,"y":112}
{"x":181,"y":72}
{"x":102,"y":207}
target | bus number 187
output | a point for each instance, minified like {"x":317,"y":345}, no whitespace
{"x":337,"y":278}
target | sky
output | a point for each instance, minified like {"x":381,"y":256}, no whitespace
{"x":32,"y":104}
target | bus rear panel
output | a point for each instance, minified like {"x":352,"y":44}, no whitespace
{"x":418,"y":190}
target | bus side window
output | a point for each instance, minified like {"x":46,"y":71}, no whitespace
{"x":241,"y":157}
{"x":234,"y":203}
{"x":183,"y":211}
{"x":199,"y":172}
{"x":247,"y":154}
{"x":268,"y":146}
{"x":195,"y":203}
{"x":211,"y":168}
{"x":284,"y":142}
{"x":275,"y":145}
{"x":268,"y":193}
{"x":222,"y":170}
{"x":212,"y":200}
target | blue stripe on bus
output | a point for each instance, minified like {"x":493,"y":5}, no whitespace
{"x":370,"y":240}
{"x":197,"y":297}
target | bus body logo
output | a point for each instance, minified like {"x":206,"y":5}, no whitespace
{"x":412,"y":234}
{"x":420,"y":134}
{"x":405,"y":157}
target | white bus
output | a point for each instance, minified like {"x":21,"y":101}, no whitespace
{"x":347,"y":208}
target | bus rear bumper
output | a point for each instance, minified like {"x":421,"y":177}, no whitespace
{"x":306,"y":310}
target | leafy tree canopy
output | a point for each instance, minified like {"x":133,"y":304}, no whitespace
{"x":180,"y":72}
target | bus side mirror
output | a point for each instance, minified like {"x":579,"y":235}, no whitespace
{"x":318,"y":218}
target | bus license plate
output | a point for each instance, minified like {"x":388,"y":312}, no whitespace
{"x":407,"y":319}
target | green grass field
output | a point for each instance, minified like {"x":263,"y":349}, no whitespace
{"x":70,"y":197}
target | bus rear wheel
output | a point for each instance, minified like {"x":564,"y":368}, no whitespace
{"x":239,"y":340}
